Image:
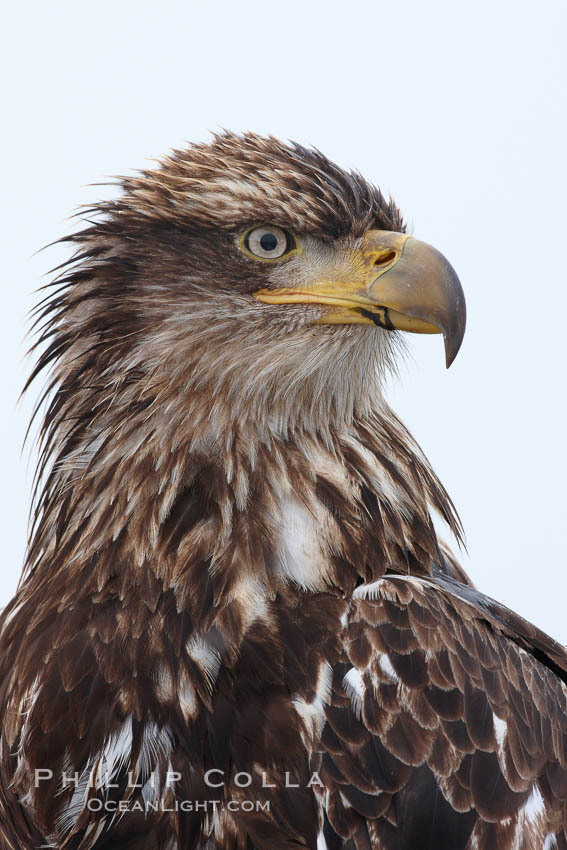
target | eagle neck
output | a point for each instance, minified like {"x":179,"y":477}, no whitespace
{"x":221,"y":513}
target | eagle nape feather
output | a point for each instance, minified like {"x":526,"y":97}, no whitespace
{"x":237,"y":628}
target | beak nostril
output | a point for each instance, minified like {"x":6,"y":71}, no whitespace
{"x":385,"y":258}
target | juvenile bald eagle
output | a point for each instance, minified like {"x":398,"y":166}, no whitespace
{"x":236,"y":627}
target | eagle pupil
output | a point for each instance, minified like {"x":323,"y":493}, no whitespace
{"x":268,"y":242}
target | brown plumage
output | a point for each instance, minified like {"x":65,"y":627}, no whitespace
{"x":233,"y":571}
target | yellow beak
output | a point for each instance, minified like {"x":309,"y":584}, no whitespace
{"x":396,"y":282}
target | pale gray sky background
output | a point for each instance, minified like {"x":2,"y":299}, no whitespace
{"x":458,"y":109}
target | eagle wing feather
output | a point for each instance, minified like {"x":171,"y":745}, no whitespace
{"x":447,"y":721}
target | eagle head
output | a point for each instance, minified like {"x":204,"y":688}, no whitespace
{"x":257,"y":275}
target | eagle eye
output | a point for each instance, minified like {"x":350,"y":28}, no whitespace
{"x":268,"y":242}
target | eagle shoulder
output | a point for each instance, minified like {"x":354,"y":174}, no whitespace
{"x":446,"y":723}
